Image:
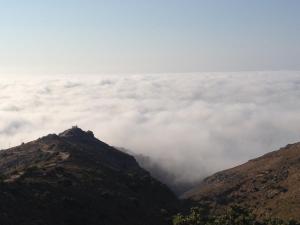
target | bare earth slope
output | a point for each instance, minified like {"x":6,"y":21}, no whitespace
{"x":75,"y":179}
{"x":269,"y":185}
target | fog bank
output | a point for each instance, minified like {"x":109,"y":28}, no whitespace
{"x":192,"y":124}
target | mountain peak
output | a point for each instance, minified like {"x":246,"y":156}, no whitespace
{"x":76,"y":132}
{"x":80,"y":180}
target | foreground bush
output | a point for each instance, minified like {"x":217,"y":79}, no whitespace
{"x":234,"y":216}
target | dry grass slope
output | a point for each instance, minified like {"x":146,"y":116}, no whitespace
{"x":268,"y":185}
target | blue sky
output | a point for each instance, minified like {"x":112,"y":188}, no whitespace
{"x":139,"y":36}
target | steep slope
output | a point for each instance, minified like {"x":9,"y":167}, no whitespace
{"x":269,"y":185}
{"x":73,"y":178}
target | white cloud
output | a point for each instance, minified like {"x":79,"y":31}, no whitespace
{"x":194,"y":123}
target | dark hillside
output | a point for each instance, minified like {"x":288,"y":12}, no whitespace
{"x":73,"y":178}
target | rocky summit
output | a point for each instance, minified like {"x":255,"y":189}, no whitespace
{"x":75,"y":179}
{"x":268,"y":185}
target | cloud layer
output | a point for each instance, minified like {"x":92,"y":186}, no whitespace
{"x":194,"y":124}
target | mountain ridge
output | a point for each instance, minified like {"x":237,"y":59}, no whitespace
{"x":74,"y":178}
{"x":268,"y":185}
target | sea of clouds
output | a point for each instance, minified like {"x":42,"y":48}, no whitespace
{"x":193,"y":124}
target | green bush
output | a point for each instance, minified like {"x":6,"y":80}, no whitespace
{"x":235,"y":215}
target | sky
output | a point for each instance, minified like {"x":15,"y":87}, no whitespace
{"x":142,"y":36}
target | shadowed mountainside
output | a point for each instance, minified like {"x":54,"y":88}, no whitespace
{"x":268,"y":185}
{"x":73,"y":178}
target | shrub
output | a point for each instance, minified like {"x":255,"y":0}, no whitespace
{"x":235,"y":215}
